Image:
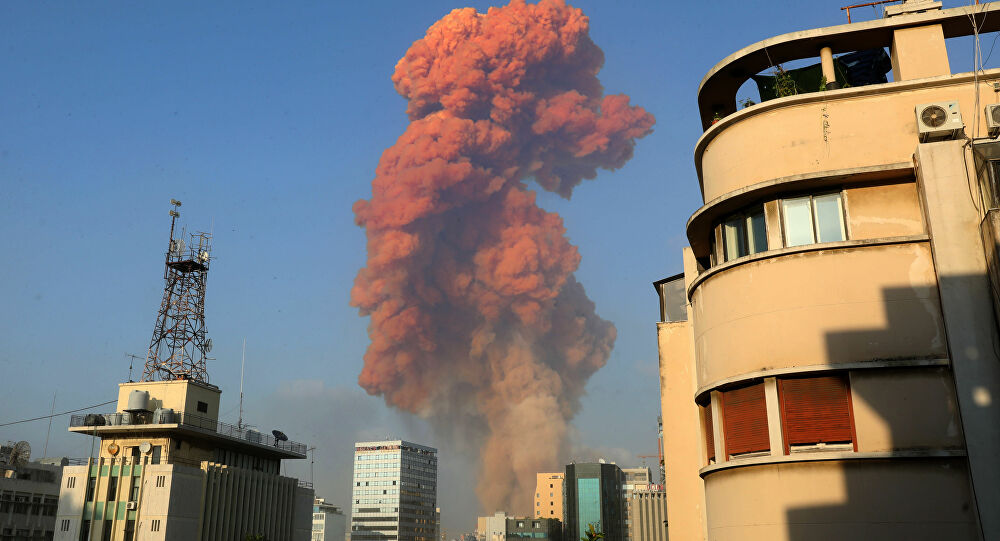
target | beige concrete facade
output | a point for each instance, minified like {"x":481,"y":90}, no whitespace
{"x":180,"y":476}
{"x":870,"y":274}
{"x":549,"y":495}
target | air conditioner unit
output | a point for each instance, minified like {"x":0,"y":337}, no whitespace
{"x":130,"y":506}
{"x":993,"y":119}
{"x":939,"y":121}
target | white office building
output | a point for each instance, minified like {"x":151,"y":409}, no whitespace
{"x":395,"y":491}
{"x":329,"y":523}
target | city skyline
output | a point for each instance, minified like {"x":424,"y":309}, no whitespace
{"x":268,"y":125}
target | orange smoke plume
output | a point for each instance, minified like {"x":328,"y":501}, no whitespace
{"x":477,"y":322}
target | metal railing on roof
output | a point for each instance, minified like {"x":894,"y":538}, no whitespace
{"x":187,"y":420}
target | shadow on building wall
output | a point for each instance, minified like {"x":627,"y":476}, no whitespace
{"x":920,"y":489}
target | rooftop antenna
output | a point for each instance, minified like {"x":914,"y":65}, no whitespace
{"x":45,"y":449}
{"x":239,"y":424}
{"x":132,"y":359}
{"x":179,"y":347}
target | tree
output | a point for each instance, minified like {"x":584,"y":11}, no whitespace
{"x":592,"y":534}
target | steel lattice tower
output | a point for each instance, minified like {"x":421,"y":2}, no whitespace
{"x":179,"y":348}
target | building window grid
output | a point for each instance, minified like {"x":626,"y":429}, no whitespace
{"x":744,"y":233}
{"x":825,"y":214}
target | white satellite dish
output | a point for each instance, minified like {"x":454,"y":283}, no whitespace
{"x":145,"y":447}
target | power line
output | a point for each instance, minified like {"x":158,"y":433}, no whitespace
{"x":58,"y":414}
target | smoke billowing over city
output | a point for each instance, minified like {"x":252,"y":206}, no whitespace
{"x":477,"y":321}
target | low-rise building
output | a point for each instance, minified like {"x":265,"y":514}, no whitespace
{"x":647,"y":510}
{"x":521,"y":528}
{"x":169,"y":470}
{"x":329,"y":522}
{"x":29,"y":494}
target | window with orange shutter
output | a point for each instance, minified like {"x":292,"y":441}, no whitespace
{"x":706,"y":413}
{"x":815,"y":411}
{"x":744,"y":420}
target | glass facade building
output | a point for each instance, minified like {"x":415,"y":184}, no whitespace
{"x":594,"y":495}
{"x":395,"y":491}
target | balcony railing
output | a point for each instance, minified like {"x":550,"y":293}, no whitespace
{"x":161,"y":417}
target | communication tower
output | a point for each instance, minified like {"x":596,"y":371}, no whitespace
{"x":179,"y":347}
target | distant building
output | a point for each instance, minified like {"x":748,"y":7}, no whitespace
{"x":29,"y":496}
{"x":549,"y":495}
{"x":169,"y":470}
{"x":521,"y":528}
{"x":492,"y":528}
{"x":647,"y":509}
{"x":594,"y":496}
{"x":329,"y":523}
{"x":395,"y":491}
{"x":635,"y":478}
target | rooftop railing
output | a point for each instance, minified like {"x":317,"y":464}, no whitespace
{"x":161,"y":417}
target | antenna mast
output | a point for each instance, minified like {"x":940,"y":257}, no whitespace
{"x":243,"y":362}
{"x":179,"y":347}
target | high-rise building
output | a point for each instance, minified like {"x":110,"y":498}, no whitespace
{"x":395,"y":491}
{"x":828,"y":358}
{"x":329,"y":523}
{"x":549,"y":495}
{"x":635,"y":479}
{"x":594,"y":496}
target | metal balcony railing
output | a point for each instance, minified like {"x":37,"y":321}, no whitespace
{"x":188,"y":420}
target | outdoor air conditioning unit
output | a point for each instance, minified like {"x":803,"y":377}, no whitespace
{"x":130,"y":506}
{"x":939,"y":121}
{"x":993,"y":119}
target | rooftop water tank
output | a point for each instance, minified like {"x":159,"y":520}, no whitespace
{"x":138,"y":401}
{"x":163,"y":416}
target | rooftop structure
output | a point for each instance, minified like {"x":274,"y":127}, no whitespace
{"x":167,"y":469}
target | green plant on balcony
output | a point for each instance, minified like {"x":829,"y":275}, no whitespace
{"x":784,"y":85}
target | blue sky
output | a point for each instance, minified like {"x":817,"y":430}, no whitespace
{"x":267,"y":121}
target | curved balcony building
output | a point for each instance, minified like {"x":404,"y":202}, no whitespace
{"x":830,"y":358}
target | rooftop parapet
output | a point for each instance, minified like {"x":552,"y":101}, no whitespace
{"x":717,"y":92}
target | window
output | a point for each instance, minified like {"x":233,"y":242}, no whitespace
{"x":64,"y":525}
{"x":154,"y":526}
{"x":813,"y":218}
{"x":129,"y":530}
{"x":71,"y":482}
{"x":815,"y":412}
{"x":744,"y":420}
{"x":744,"y":233}
{"x":161,"y":481}
{"x":133,"y":494}
{"x":202,"y":406}
{"x":85,"y":531}
{"x":91,"y":486}
{"x":112,"y":488}
{"x":156,"y":455}
{"x":106,"y":532}
{"x":706,"y":412}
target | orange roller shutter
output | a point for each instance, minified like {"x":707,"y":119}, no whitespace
{"x":709,"y":432}
{"x":744,"y":417}
{"x":815,"y":410}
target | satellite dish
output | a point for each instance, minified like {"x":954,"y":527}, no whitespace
{"x":145,"y":447}
{"x":20,"y":453}
{"x":279,"y":435}
{"x":203,"y":256}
